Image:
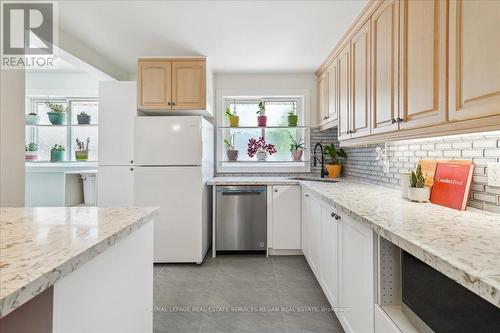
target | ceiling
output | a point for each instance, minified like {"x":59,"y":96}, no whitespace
{"x":236,"y":36}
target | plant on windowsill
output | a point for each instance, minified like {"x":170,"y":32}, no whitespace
{"x":297,"y":147}
{"x":234,"y":120}
{"x":231,"y":151}
{"x":82,"y":150}
{"x":57,"y":113}
{"x":292,"y":116}
{"x":335,"y":167}
{"x":417,"y":190}
{"x":260,"y":148}
{"x":83,"y":118}
{"x":32,"y":119}
{"x":31,"y":152}
{"x":262,"y":118}
{"x":57,"y":153}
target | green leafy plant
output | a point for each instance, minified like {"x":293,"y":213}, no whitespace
{"x":292,"y":110}
{"x":262,"y":108}
{"x":228,"y":110}
{"x":54,"y":107}
{"x":335,"y":154}
{"x":417,"y":178}
{"x":296,"y":144}
{"x":57,"y":147}
{"x":229,"y":141}
{"x":32,"y":114}
{"x":83,"y":113}
{"x":31,"y":147}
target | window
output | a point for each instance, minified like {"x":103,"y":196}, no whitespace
{"x":46,"y":135}
{"x":277,"y":133}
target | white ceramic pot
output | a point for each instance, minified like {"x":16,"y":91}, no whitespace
{"x":419,"y":194}
{"x":404,"y":181}
{"x":32,"y":119}
{"x":261,"y":155}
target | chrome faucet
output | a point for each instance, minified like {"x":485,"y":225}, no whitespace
{"x":316,"y":160}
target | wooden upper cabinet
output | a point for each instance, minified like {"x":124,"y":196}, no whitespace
{"x":474,"y":50}
{"x":171,"y":84}
{"x":332,"y":113}
{"x":385,"y":32}
{"x":344,"y":92}
{"x":322,"y":98}
{"x":188,"y":85}
{"x":423,"y":63}
{"x":361,"y":86}
{"x":154,"y":84}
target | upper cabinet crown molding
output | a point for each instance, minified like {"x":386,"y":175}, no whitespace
{"x":173,"y":83}
{"x":474,"y":49}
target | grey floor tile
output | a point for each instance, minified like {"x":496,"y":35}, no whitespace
{"x":243,"y":323}
{"x":243,"y":296}
{"x":180,"y":298}
{"x":188,"y":277}
{"x":303,"y":298}
{"x":311,"y":322}
{"x":177,"y":322}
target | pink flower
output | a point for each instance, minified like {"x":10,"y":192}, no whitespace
{"x":255,"y":145}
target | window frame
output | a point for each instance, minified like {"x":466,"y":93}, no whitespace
{"x":33,"y":130}
{"x":225,"y":96}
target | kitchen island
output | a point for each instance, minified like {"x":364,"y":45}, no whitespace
{"x":79,"y":269}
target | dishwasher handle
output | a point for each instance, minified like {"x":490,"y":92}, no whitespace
{"x":241,"y":192}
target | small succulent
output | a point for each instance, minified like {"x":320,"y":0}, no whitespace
{"x":292,"y":110}
{"x":31,"y":147}
{"x":54,"y":107}
{"x":417,"y":178}
{"x":262,"y":108}
{"x":32,"y":114}
{"x":83,"y":113}
{"x":57,"y":147}
{"x":82,"y":146}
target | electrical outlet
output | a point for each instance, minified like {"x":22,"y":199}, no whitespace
{"x":494,"y":174}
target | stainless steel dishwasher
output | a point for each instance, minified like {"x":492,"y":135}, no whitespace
{"x":241,"y":218}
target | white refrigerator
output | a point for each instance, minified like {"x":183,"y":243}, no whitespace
{"x":172,"y":161}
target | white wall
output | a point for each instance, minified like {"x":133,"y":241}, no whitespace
{"x":69,"y":84}
{"x":12,"y":137}
{"x":299,"y":81}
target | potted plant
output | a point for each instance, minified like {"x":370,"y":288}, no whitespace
{"x":31,"y":152}
{"x":334,"y":168}
{"x":57,"y":113}
{"x":82,"y":150}
{"x":260,"y":148}
{"x":417,"y":190}
{"x":232,"y":153}
{"x":234,"y":120}
{"x":32,"y":118}
{"x":83,"y":118}
{"x":296,"y":148}
{"x":261,"y":118}
{"x":292,"y":116}
{"x":57,"y":153}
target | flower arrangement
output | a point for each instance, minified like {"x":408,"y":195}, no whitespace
{"x":260,"y":145}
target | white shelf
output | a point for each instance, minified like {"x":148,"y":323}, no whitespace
{"x":264,"y":162}
{"x":63,"y":125}
{"x":267,"y":127}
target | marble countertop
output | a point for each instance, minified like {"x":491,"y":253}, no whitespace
{"x":463,"y":245}
{"x":39,"y":246}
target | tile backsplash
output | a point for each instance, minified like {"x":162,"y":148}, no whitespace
{"x":482,"y":148}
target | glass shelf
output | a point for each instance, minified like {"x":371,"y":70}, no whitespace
{"x":63,"y":125}
{"x":267,"y":127}
{"x":266,"y":162}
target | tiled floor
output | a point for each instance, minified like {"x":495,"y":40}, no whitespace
{"x":241,"y":293}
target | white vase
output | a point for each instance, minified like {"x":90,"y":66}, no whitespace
{"x":261,"y":155}
{"x":404,"y":181}
{"x":419,"y":194}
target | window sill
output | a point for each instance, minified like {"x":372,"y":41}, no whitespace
{"x":263,"y":166}
{"x":50,"y":167}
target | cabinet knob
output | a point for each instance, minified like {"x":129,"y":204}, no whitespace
{"x":173,"y":102}
{"x":275,"y":190}
{"x":131,"y":169}
{"x":131,"y":161}
{"x":393,"y":121}
{"x":307,"y":195}
{"x":399,"y":120}
{"x":337,"y":217}
{"x":332,"y":214}
{"x":168,"y":103}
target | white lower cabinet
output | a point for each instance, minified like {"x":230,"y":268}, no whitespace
{"x":340,"y":251}
{"x":356,"y":276}
{"x":285,"y":212}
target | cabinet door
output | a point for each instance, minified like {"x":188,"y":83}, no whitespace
{"x":323,"y":97}
{"x":117,"y":111}
{"x":360,"y":107}
{"x":356,"y":276}
{"x":333,"y":99}
{"x":305,"y":224}
{"x":344,"y":79}
{"x":115,"y":186}
{"x":315,"y":234}
{"x":154,"y":89}
{"x":286,"y":217}
{"x":423,"y":63}
{"x":329,"y":252}
{"x":385,"y":67}
{"x":474,"y":49}
{"x":188,"y":85}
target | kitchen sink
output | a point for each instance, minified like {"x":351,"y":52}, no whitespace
{"x":316,"y":179}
